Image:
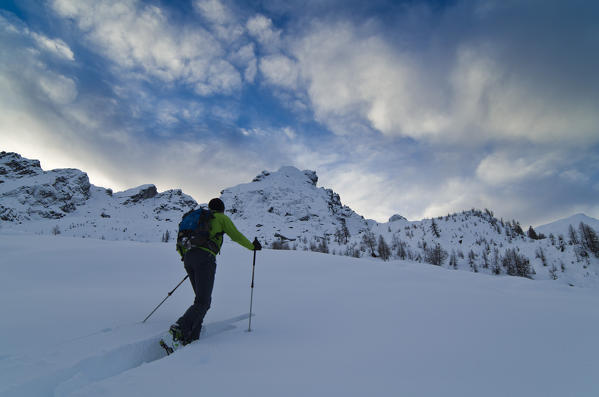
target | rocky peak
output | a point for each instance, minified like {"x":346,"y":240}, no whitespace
{"x":288,"y":175}
{"x":138,"y":194}
{"x":287,"y":204}
{"x":13,"y":166}
{"x":311,"y":175}
{"x":261,"y":176}
{"x":396,"y":218}
{"x":64,"y":200}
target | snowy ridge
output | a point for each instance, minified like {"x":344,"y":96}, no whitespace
{"x":64,"y":202}
{"x":286,"y":210}
{"x":477,"y":241}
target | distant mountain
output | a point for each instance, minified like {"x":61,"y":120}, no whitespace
{"x":286,"y":210}
{"x":561,"y":226}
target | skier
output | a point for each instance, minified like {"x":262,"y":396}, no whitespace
{"x":200,"y":264}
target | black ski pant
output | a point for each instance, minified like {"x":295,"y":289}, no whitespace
{"x":201,"y":268}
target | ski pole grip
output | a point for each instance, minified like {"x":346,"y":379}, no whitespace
{"x":256,"y":243}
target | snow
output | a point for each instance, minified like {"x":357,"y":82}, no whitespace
{"x":561,"y":226}
{"x":325,"y":326}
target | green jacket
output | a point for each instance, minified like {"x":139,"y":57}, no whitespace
{"x":222,"y":224}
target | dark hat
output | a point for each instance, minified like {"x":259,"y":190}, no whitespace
{"x":217,"y":205}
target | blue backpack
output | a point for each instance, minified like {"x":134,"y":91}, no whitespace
{"x":194,"y":231}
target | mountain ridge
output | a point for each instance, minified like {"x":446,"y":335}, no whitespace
{"x":286,"y":209}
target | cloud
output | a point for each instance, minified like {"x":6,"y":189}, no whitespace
{"x":291,"y":134}
{"x":351,"y":75}
{"x":214,"y":11}
{"x":280,"y":71}
{"x":222,"y":21}
{"x":10,"y":26}
{"x":509,"y":167}
{"x":137,"y":36}
{"x":459,"y":85}
{"x":59,"y":89}
{"x":575,"y":176}
{"x":245,"y":57}
{"x":220,"y":77}
{"x":27,"y":68}
{"x":499,"y":103}
{"x":455,"y":193}
{"x":365,"y":191}
{"x":171,"y":113}
{"x":56,"y":46}
{"x":262,"y":29}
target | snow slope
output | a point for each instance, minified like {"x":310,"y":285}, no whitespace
{"x":561,"y":226}
{"x":325,"y":326}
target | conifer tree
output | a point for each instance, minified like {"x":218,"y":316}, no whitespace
{"x":588,"y":238}
{"x":532,"y":234}
{"x":369,"y":241}
{"x":518,"y":228}
{"x":495,"y":266}
{"x":453,"y":260}
{"x":553,"y":272}
{"x":401,"y":251}
{"x":573,"y":235}
{"x":345,"y":231}
{"x":541,"y":255}
{"x":323,"y":246}
{"x":472,"y":261}
{"x":435,"y":255}
{"x":561,"y":243}
{"x":435,"y":229}
{"x":516,"y":264}
{"x":485,"y":260}
{"x":384,"y":250}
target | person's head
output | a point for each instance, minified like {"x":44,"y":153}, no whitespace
{"x":217,"y":205}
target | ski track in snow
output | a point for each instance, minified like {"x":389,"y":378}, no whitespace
{"x":102,"y":366}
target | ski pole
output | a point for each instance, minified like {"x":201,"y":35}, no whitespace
{"x":252,"y":294}
{"x":169,"y":294}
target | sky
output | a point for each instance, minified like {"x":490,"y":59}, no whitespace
{"x":418,"y":108}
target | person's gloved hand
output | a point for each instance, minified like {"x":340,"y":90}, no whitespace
{"x":257,"y":245}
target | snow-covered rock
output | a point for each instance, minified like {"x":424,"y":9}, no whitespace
{"x":396,"y":218}
{"x":29,"y":193}
{"x":286,"y":205}
{"x":63,"y":201}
